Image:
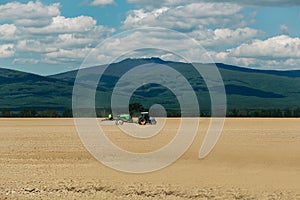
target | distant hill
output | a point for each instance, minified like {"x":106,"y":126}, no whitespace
{"x":245,"y":88}
{"x":19,"y":90}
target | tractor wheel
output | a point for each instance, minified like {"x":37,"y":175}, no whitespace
{"x":153,"y":121}
{"x":119,"y":122}
{"x":142,"y":122}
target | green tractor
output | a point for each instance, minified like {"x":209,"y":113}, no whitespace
{"x":145,"y":118}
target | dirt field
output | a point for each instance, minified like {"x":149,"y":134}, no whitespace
{"x":254,"y":159}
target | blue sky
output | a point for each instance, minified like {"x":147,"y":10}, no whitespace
{"x":48,"y":37}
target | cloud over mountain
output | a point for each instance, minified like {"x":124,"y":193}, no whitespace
{"x":52,"y":33}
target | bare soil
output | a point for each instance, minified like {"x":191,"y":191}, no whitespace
{"x":254,"y":159}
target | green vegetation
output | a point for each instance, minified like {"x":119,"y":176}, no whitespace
{"x":251,"y":93}
{"x":136,"y":112}
{"x":135,"y":109}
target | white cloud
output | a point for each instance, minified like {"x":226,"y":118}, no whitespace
{"x":32,"y":13}
{"x":200,"y":10}
{"x":157,"y":3}
{"x":41,"y":22}
{"x":61,"y":24}
{"x":90,"y":38}
{"x":263,"y":3}
{"x":138,"y":18}
{"x":280,"y":52}
{"x":71,"y":40}
{"x":224,"y":37}
{"x":187,"y":17}
{"x":66,"y":55}
{"x":8,"y":32}
{"x":278,"y":47}
{"x":226,"y":57}
{"x":25,"y":61}
{"x":36,"y":46}
{"x":253,"y":62}
{"x":7,"y":50}
{"x":39,"y":33}
{"x":285,"y":64}
{"x":102,"y":2}
{"x":195,"y":19}
{"x":222,"y":28}
{"x":241,"y":2}
{"x":61,"y":46}
{"x":149,"y":43}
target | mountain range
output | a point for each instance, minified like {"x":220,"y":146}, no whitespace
{"x":245,"y":88}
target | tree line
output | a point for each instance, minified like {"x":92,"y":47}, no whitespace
{"x":136,"y":108}
{"x":51,"y":113}
{"x":264,"y":112}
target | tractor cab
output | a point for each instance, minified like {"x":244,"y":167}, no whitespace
{"x":145,"y":118}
